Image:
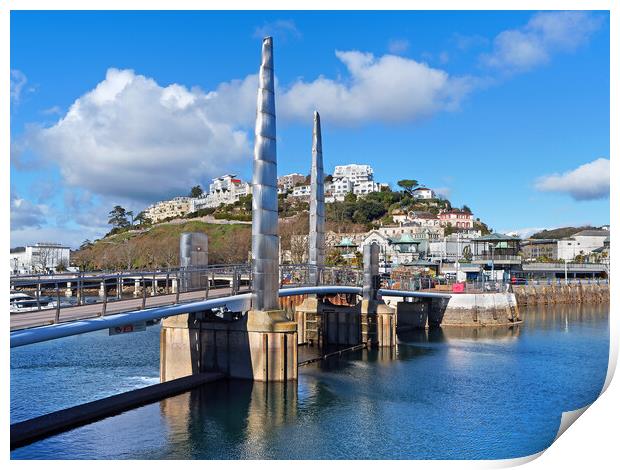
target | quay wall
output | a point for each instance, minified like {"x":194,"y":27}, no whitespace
{"x":561,"y":294}
{"x":484,"y":309}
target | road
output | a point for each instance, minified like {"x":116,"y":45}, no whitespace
{"x":46,"y":317}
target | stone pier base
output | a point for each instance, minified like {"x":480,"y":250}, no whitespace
{"x":378,"y":324}
{"x":478,"y":309}
{"x":261,"y":346}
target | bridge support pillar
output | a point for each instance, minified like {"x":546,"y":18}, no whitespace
{"x":68,"y":290}
{"x":378,"y":321}
{"x":261,"y":346}
{"x":175,"y":286}
{"x":154,"y":287}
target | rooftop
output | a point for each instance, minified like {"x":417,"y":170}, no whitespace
{"x":493,"y":237}
{"x":592,"y":233}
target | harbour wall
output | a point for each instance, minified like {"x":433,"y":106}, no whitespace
{"x":484,"y":309}
{"x":561,"y":294}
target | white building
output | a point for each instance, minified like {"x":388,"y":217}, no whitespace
{"x":176,"y":207}
{"x":364,"y":187}
{"x":423,"y":193}
{"x":42,"y":257}
{"x":301,"y":191}
{"x":337,"y":189}
{"x":423,"y":219}
{"x":451,"y":248}
{"x":353,"y":172}
{"x":581,"y":243}
{"x":226,"y":189}
{"x":288,"y":182}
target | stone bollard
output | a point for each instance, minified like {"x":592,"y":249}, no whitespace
{"x":68,"y":290}
{"x":136,"y":287}
{"x":102,"y":289}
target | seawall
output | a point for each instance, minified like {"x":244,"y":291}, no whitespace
{"x":561,"y":294}
{"x":484,"y":309}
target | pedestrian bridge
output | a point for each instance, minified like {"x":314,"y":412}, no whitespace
{"x":172,"y":298}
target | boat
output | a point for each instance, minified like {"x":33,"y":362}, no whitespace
{"x":20,"y":302}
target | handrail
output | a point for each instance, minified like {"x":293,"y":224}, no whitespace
{"x":239,"y":302}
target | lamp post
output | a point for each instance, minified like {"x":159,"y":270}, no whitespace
{"x":458,"y":255}
{"x":492,"y":262}
{"x":566,"y":272}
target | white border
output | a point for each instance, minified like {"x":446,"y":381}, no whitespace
{"x":591,"y":443}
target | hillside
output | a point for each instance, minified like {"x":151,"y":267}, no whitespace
{"x":562,"y":232}
{"x":146,"y":246}
{"x":158,"y":246}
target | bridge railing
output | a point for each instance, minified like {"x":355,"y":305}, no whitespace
{"x":90,"y":288}
{"x":105,"y":289}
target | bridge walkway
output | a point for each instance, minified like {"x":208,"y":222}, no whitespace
{"x":36,"y":318}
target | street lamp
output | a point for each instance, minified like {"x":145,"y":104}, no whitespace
{"x":492,"y":262}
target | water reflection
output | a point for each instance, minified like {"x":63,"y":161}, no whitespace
{"x":551,"y":317}
{"x":241,"y":410}
{"x":494,"y":392}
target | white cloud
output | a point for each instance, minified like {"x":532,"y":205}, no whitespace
{"x":18,"y":82}
{"x":524,"y":232}
{"x":385,"y":89}
{"x":443,"y":192}
{"x":588,"y":181}
{"x":398,"y":46}
{"x":132,"y":138}
{"x":25,"y":214}
{"x":521,"y":49}
{"x":52,"y":110}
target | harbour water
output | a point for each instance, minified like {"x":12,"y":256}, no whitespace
{"x":442,"y":394}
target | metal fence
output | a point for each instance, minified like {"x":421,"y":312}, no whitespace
{"x":58,"y":292}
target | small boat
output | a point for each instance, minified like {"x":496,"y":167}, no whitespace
{"x":20,"y":302}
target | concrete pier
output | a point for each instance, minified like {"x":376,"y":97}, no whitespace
{"x":261,"y":346}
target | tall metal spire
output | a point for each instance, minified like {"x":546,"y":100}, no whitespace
{"x":316,"y":242}
{"x":265,"y":241}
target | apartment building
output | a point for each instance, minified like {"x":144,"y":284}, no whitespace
{"x":226,"y":189}
{"x":176,"y":207}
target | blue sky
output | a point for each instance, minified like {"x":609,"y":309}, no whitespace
{"x":507,"y":112}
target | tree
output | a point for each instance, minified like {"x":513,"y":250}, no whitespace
{"x":142,"y":219}
{"x":86,"y":244}
{"x":196,"y":191}
{"x":61,"y":267}
{"x":408,"y":185}
{"x":130,"y":215}
{"x":350,"y":197}
{"x":334,"y":258}
{"x":466,"y":209}
{"x":118,"y":217}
